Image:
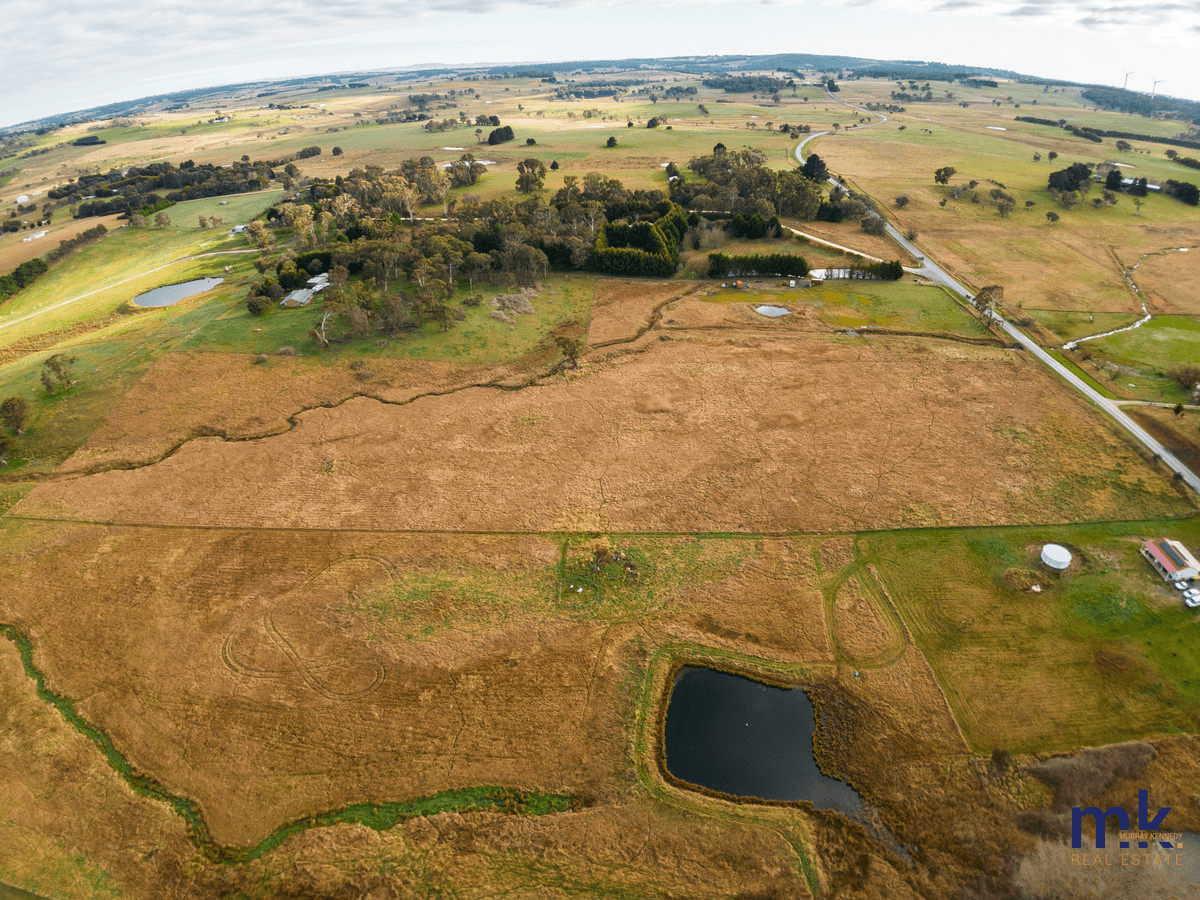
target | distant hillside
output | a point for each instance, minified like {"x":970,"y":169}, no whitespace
{"x":842,"y":66}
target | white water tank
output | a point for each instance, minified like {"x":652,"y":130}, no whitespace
{"x":1055,"y":556}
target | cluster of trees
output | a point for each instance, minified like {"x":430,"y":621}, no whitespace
{"x":156,"y":207}
{"x":500,"y":135}
{"x":1076,"y":177}
{"x":1142,"y":104}
{"x":70,"y":245}
{"x":755,"y":227}
{"x":131,"y":190}
{"x":720,"y":265}
{"x":738,"y":182}
{"x":1184,"y":191}
{"x":748,"y":84}
{"x":22,"y":276}
{"x":308,"y":152}
{"x":13,"y":413}
{"x":403,"y":272}
{"x":390,"y":272}
{"x":890,"y":270}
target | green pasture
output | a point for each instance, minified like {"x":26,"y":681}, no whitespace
{"x":1135,"y":362}
{"x":478,"y":339}
{"x":896,"y":306}
{"x":973,"y":148}
{"x":107,"y":364}
{"x":1163,"y":342}
{"x":1104,"y":653}
{"x":112,"y":271}
{"x":1097,"y":386}
{"x":238,"y":209}
{"x":1072,"y":325}
{"x":1139,"y":360}
{"x":886,"y":306}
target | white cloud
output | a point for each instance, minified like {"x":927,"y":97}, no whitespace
{"x":1174,"y":22}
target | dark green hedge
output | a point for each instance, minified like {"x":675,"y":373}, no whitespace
{"x":720,"y":265}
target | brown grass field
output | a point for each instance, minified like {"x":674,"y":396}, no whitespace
{"x":799,"y":449}
{"x":14,"y":250}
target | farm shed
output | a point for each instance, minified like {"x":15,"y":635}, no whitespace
{"x":1170,"y":559}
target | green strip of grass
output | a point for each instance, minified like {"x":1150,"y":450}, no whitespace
{"x":1092,"y":382}
{"x":378,"y":816}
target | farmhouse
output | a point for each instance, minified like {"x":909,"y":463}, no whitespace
{"x":301,"y":297}
{"x":1171,"y":560}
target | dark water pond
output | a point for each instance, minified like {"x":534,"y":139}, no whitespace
{"x":738,"y":736}
{"x":170,"y":294}
{"x":772,"y":311}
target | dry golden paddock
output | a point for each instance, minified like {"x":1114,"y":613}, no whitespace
{"x":709,"y":422}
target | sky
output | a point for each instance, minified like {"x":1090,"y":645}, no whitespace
{"x":73,"y":54}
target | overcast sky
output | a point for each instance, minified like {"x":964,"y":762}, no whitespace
{"x":71,"y":54}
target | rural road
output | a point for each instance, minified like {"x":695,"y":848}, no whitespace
{"x":62,"y":303}
{"x":935,"y":273}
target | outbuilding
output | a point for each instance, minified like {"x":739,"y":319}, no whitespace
{"x":1056,"y":556}
{"x":1171,"y":560}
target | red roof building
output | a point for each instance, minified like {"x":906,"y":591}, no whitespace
{"x":1171,"y":560}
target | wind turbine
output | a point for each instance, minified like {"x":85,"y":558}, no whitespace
{"x":1127,"y":74}
{"x":1157,"y":82}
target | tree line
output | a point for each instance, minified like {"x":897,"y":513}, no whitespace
{"x":126,"y":192}
{"x":1096,"y":135}
{"x":30,"y":271}
{"x":720,"y":264}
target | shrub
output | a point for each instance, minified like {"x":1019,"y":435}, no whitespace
{"x":13,"y":412}
{"x":56,"y":372}
{"x":873,"y":225}
{"x":1186,"y":377}
{"x":258,"y":304}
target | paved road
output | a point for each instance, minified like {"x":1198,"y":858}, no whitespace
{"x":935,"y":273}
